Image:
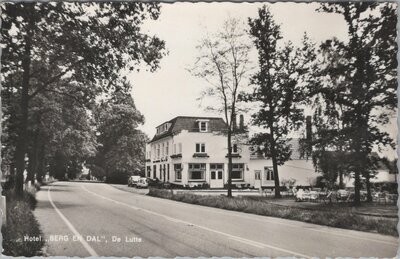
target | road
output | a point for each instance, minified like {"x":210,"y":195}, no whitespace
{"x":96,"y":219}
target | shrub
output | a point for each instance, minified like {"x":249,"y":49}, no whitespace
{"x":20,"y":223}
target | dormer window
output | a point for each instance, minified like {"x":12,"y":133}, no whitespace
{"x":163,"y":128}
{"x":203,"y":125}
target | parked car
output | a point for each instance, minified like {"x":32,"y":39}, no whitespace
{"x":142,"y":183}
{"x":133,"y":180}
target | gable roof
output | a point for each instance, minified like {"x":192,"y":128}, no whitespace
{"x":189,"y":123}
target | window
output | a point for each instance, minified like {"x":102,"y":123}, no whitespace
{"x":163,"y":128}
{"x":217,"y":166}
{"x":237,"y":172}
{"x":177,"y":149}
{"x":178,"y":172}
{"x":203,"y":126}
{"x":215,"y":174}
{"x":269,"y":174}
{"x":158,"y":151}
{"x":257,"y":175}
{"x":197,"y":172}
{"x":148,"y":169}
{"x":168,"y":172}
{"x":200,"y":147}
{"x":162,"y":150}
{"x":216,"y":171}
{"x":235,"y":148}
{"x":167,"y":149}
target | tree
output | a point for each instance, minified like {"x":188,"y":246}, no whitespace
{"x":277,"y":89}
{"x":367,"y":72}
{"x":87,"y":43}
{"x":122,"y":144}
{"x":224,"y":63}
{"x":62,"y":134}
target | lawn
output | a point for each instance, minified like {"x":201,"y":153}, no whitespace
{"x":367,"y":209}
{"x":333,"y":215}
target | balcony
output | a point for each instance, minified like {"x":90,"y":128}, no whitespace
{"x":234,"y":155}
{"x":176,"y":156}
{"x":204,"y":155}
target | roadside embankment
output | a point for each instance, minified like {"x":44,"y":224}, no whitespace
{"x":21,"y":233}
{"x":341,"y":219}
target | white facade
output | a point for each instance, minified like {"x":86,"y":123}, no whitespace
{"x":192,"y":151}
{"x":195,"y":155}
{"x":300,"y":170}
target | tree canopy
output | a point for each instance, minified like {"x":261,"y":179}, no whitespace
{"x":75,"y":50}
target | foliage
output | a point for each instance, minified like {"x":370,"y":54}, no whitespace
{"x":122,"y":144}
{"x":288,"y":182}
{"x":76,"y":50}
{"x":223,"y":61}
{"x":277,"y":88}
{"x":357,"y":85}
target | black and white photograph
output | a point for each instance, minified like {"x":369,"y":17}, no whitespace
{"x":199,"y":129}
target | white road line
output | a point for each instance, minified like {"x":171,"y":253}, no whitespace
{"x":327,"y":231}
{"x":71,"y":227}
{"x":246,"y":242}
{"x":243,"y":240}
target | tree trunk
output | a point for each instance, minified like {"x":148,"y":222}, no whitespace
{"x":20,"y":149}
{"x":357,"y":184}
{"x":276,"y":174}
{"x":274,"y":160}
{"x":41,"y":163}
{"x":33,"y":157}
{"x":368,"y":183}
{"x":229,"y":163}
{"x":31,"y":167}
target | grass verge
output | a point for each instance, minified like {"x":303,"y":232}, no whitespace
{"x":21,"y":223}
{"x":343,"y":219}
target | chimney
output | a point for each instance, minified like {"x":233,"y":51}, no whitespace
{"x":241,"y":123}
{"x":234,"y":123}
{"x":308,"y":128}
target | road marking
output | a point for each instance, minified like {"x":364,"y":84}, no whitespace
{"x":246,"y":242}
{"x":233,"y":237}
{"x":327,"y":231}
{"x":71,"y":227}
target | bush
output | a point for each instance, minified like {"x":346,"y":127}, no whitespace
{"x":20,"y":223}
{"x":347,"y":220}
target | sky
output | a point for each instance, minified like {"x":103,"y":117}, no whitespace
{"x":172,"y":91}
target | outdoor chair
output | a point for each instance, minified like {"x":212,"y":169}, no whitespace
{"x":326,"y":196}
{"x":313,"y":196}
{"x":392,"y":198}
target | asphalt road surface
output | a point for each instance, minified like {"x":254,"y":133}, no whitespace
{"x":95,"y":219}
